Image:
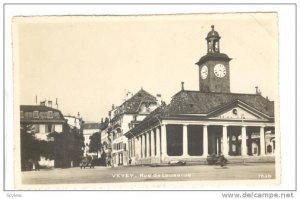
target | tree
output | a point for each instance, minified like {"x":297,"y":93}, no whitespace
{"x":29,"y":144}
{"x":95,"y":143}
{"x":67,"y":146}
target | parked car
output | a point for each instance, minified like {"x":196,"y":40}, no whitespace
{"x":87,"y":162}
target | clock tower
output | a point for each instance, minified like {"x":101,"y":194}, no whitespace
{"x":214,"y":74}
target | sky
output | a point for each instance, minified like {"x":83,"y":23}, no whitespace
{"x":89,"y":63}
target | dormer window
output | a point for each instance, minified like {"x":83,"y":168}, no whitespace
{"x":35,"y":114}
{"x":50,"y":114}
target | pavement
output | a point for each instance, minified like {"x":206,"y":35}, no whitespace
{"x":146,"y":173}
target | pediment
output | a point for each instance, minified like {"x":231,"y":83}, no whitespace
{"x":237,"y":111}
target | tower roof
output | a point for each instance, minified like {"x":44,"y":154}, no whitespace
{"x":213,"y":33}
{"x":213,"y":56}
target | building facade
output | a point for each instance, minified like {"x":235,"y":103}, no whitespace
{"x":42,"y":120}
{"x":89,"y":129}
{"x":74,"y":121}
{"x":121,"y":119}
{"x":213,"y":120}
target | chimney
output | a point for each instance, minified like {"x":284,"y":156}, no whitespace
{"x":56,"y":103}
{"x":113,"y":107}
{"x":43,"y":103}
{"x":158,"y":99}
{"x":182,"y":86}
{"x":257,"y":91}
{"x":36,"y":100}
{"x":50,"y":103}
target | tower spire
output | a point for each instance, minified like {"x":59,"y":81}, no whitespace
{"x":213,"y":41}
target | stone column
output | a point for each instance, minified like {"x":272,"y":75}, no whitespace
{"x":140,"y":147}
{"x":185,"y":140}
{"x":205,"y":141}
{"x":262,"y":141}
{"x":152,"y":143}
{"x":143,"y":146}
{"x":244,"y":141}
{"x":129,"y":148}
{"x":133,"y":148}
{"x":225,"y":141}
{"x":158,"y":142}
{"x":147,"y":144}
{"x":163,"y":140}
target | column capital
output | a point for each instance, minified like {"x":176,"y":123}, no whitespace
{"x":225,"y":125}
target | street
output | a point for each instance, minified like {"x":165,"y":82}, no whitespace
{"x":147,"y":173}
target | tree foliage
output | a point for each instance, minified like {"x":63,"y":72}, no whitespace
{"x":64,"y":147}
{"x":95,"y":142}
{"x":67,"y":146}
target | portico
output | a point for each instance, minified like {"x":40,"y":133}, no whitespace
{"x":192,"y":140}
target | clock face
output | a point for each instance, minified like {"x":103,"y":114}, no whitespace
{"x":220,"y":70}
{"x":204,"y":72}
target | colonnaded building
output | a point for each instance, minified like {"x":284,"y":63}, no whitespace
{"x":209,"y":121}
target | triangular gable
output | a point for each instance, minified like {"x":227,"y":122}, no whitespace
{"x":237,"y":111}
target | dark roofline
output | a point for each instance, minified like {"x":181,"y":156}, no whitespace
{"x":213,"y":56}
{"x":37,"y":106}
{"x":130,"y":99}
{"x":138,"y":92}
{"x":46,"y":108}
{"x":252,"y":94}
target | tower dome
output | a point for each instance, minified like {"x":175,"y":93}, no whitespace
{"x":213,"y":38}
{"x":212,"y":33}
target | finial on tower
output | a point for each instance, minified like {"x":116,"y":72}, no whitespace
{"x":212,"y":27}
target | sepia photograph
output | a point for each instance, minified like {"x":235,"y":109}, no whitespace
{"x":104,"y":100}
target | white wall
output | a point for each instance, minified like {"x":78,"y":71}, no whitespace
{"x":58,"y":128}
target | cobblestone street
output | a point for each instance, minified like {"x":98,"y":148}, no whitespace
{"x":146,"y":173}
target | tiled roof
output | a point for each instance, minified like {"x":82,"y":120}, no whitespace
{"x":196,"y":102}
{"x":27,"y":108}
{"x":141,"y":95}
{"x":133,"y":104}
{"x":42,"y":114}
{"x":91,"y":126}
{"x":213,"y":56}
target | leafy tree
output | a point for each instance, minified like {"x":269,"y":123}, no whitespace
{"x":67,"y":146}
{"x":95,"y":143}
{"x":29,"y":144}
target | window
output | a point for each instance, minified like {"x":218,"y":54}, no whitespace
{"x":50,"y":114}
{"x":49,"y":128}
{"x":35,"y":114}
{"x":22,"y":114}
{"x":36,"y":128}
